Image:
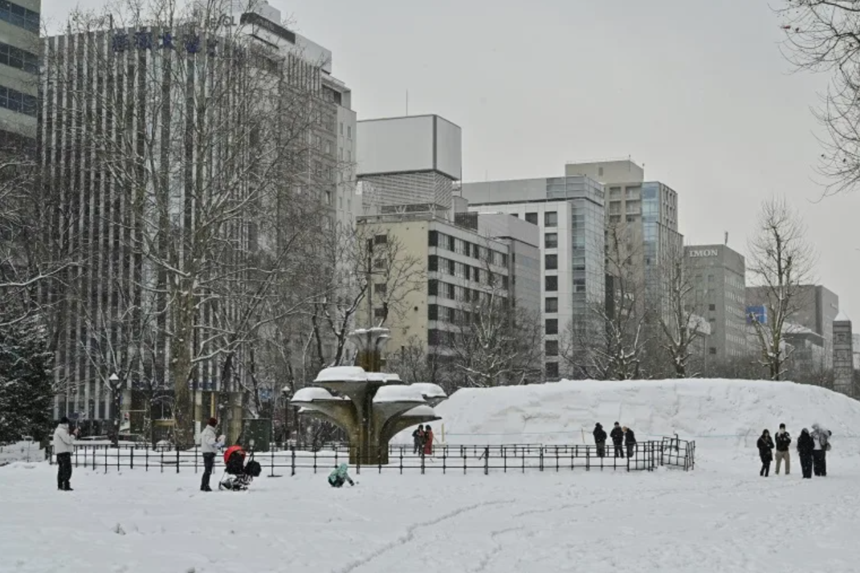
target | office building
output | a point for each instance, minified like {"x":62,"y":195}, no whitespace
{"x":19,"y":68}
{"x":126,"y":73}
{"x":716,"y":275}
{"x":814,"y":307}
{"x":408,"y":164}
{"x":569,"y":213}
{"x":843,"y":355}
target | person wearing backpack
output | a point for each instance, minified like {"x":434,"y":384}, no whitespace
{"x":821,"y":439}
{"x":783,"y":441}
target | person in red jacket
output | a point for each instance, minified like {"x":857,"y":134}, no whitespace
{"x":428,"y":441}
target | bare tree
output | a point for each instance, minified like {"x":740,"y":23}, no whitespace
{"x":415,"y":362}
{"x":781,"y":260}
{"x":198,"y":144}
{"x":610,"y":343}
{"x":492,"y":341}
{"x":682,"y":326}
{"x":822,"y":36}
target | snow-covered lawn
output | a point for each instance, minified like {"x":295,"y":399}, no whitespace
{"x":719,"y":518}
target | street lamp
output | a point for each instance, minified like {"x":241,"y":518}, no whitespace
{"x":287,"y":393}
{"x":114,"y":378}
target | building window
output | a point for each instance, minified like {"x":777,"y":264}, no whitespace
{"x":349,"y":132}
{"x":550,"y":262}
{"x":551,"y":305}
{"x":19,"y":16}
{"x":551,"y":326}
{"x":452,"y":315}
{"x":433,"y":238}
{"x":550,"y":219}
{"x":433,"y":263}
{"x":505,"y":282}
{"x":381,"y":289}
{"x":433,"y":338}
{"x":452,"y":291}
{"x":532,"y":218}
{"x":380,"y":239}
{"x":452,"y":244}
{"x":551,"y":240}
{"x":452,"y":268}
{"x":712,"y":307}
{"x":432,"y":312}
{"x":18,"y":58}
{"x":552,"y":370}
{"x":551,"y":283}
{"x":551,"y":347}
{"x":379,"y":312}
{"x":712,"y":350}
{"x":433,"y":287}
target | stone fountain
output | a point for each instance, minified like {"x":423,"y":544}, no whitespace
{"x":371,"y":406}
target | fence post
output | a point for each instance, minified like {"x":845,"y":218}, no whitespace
{"x":541,"y":458}
{"x":177,"y":458}
{"x":146,"y":459}
{"x":401,"y":460}
{"x":445,"y":460}
{"x":131,"y":460}
{"x":293,"y":460}
{"x":379,"y":457}
{"x":106,"y":462}
{"x":556,"y":459}
{"x":487,"y":460}
{"x":423,"y":466}
{"x":118,"y":455}
{"x":272,"y":450}
{"x":357,"y":461}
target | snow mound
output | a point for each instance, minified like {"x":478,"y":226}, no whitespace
{"x":712,"y":412}
{"x":25,"y":451}
{"x":398,"y":394}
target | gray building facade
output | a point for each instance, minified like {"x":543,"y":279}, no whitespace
{"x":716,"y":276}
{"x":843,"y":356}
{"x":19,"y":68}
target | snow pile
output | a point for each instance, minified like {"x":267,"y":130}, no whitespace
{"x":712,"y":412}
{"x":21,"y":452}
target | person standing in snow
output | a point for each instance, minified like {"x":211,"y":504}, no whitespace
{"x":629,"y":441}
{"x":339,"y":476}
{"x":805,"y":449}
{"x":783,"y":441}
{"x":617,"y":435}
{"x":428,"y":441}
{"x":821,"y":439}
{"x":765,"y":452}
{"x":418,"y":440}
{"x":64,"y":445}
{"x":208,"y":447}
{"x":600,"y":440}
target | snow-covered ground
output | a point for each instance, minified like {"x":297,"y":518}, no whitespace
{"x":722,"y":517}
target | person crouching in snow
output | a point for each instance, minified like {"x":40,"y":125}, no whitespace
{"x":340,"y":476}
{"x":805,"y":449}
{"x":765,"y":452}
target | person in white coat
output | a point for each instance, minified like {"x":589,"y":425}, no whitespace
{"x":208,"y":447}
{"x":821,"y":439}
{"x":63,"y":445}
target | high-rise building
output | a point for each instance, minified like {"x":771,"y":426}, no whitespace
{"x":716,"y":276}
{"x":569,"y":213}
{"x":408,"y":164}
{"x":93,"y":116}
{"x":814,"y":307}
{"x":19,"y":66}
{"x":843,"y":355}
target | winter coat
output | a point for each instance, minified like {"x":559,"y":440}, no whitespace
{"x":805,"y":444}
{"x":820,"y":436}
{"x":64,"y":442}
{"x":418,"y":436}
{"x":599,"y":435}
{"x":341,"y":474}
{"x":765,"y":448}
{"x":783,"y":440}
{"x":428,"y":443}
{"x":629,"y":437}
{"x":617,"y":435}
{"x":208,"y":440}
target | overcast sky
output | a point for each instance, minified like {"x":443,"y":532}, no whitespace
{"x":695,"y":90}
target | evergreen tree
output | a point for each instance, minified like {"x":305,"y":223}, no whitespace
{"x":25,"y":380}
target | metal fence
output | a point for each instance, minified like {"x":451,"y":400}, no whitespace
{"x":512,"y":458}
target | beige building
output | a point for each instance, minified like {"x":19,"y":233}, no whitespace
{"x":456,"y":262}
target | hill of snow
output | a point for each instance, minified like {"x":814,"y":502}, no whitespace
{"x":713,"y":412}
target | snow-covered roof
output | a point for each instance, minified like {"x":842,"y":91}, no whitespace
{"x":354,"y":374}
{"x":841,"y":317}
{"x":310,"y":394}
{"x":375,"y":330}
{"x":792,"y":328}
{"x":398,"y":394}
{"x":386,"y":377}
{"x":420,"y":411}
{"x":429,"y":390}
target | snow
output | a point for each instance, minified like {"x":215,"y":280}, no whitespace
{"x":398,"y":394}
{"x":429,"y":390}
{"x":720,"y":518}
{"x":310,"y":394}
{"x":25,"y":451}
{"x":420,"y":411}
{"x":841,"y":317}
{"x":342,"y":374}
{"x":385,"y":377}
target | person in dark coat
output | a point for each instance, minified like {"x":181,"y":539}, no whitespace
{"x":617,"y":435}
{"x":765,"y":452}
{"x":418,"y":440}
{"x":821,"y":439}
{"x":600,"y":440}
{"x":805,"y":449}
{"x":629,"y":441}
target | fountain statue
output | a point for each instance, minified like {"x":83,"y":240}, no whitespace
{"x":371,"y":406}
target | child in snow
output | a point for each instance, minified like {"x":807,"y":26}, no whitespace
{"x":340,"y":476}
{"x":765,"y":452}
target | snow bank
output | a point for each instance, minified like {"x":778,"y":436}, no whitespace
{"x":26,"y":451}
{"x":728,"y":412}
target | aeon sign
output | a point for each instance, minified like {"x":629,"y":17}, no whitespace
{"x":703,"y":253}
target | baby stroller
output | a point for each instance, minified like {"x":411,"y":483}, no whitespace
{"x":239,"y":474}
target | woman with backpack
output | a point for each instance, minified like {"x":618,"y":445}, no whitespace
{"x":821,"y":439}
{"x":765,"y":452}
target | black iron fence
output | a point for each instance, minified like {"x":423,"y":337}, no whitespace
{"x":512,"y":458}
